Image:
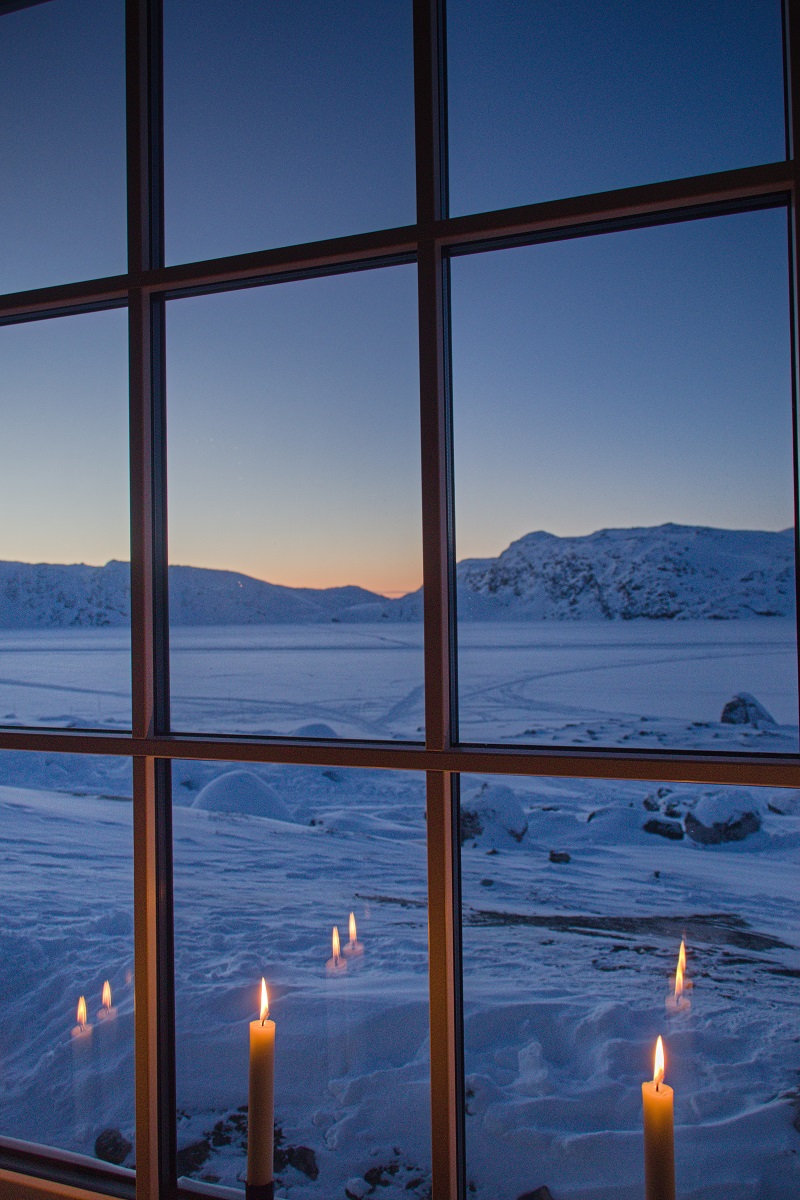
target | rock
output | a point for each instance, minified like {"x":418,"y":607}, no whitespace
{"x":356,"y":1188}
{"x":487,"y":883}
{"x":242,"y":792}
{"x":495,"y":814}
{"x":714,"y":835}
{"x":559,"y":856}
{"x":650,"y":804}
{"x":723,"y":815}
{"x":373,"y":1176}
{"x":303,"y":1158}
{"x":668,"y":829}
{"x":191,"y":1158}
{"x":541,"y":1193}
{"x":112,"y":1147}
{"x":744,"y":709}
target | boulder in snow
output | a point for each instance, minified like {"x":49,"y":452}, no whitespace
{"x":744,"y":709}
{"x":494,"y":814}
{"x":667,"y":829}
{"x":242,"y":792}
{"x":724,"y":815}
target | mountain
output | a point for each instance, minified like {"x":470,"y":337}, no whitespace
{"x":669,"y":572}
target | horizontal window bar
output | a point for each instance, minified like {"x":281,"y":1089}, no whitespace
{"x":695,"y":767}
{"x":650,"y":202}
{"x":64,"y":1167}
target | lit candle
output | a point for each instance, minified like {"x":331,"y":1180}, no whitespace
{"x":107,"y":1012}
{"x":81,"y":1071}
{"x":82,"y":1032}
{"x":335,"y":964}
{"x":261,"y":1109}
{"x":677,"y":1001}
{"x":659,"y":1137}
{"x":354,"y":946}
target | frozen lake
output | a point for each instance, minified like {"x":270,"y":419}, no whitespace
{"x":542,"y":682}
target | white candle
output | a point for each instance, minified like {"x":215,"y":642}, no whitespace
{"x":659,"y":1136}
{"x":335,"y":964}
{"x":261,"y":1110}
{"x":676,"y":1000}
{"x":354,"y":947}
{"x":107,"y":1012}
{"x":82,"y":1032}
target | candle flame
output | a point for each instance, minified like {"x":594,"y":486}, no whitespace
{"x":335,"y":944}
{"x":658,"y":1067}
{"x":679,"y":979}
{"x":107,"y":995}
{"x":82,"y":1012}
{"x":264,"y":1001}
{"x":353,"y":934}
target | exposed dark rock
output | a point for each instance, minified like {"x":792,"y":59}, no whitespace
{"x":744,"y":709}
{"x":559,"y":856}
{"x":191,"y":1158}
{"x":470,"y":826}
{"x":541,"y":1193}
{"x":373,"y":1176}
{"x":650,"y":804}
{"x":728,"y":831}
{"x":487,"y":883}
{"x":668,"y":829}
{"x":112,"y":1147}
{"x":302,"y":1158}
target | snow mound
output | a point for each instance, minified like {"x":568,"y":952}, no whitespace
{"x":744,"y":709}
{"x":494,"y":816}
{"x":724,"y":815}
{"x":242,"y":792}
{"x":315,"y":729}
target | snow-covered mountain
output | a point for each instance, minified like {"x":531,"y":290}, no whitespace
{"x":665,"y":572}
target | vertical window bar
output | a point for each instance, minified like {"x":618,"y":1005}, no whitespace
{"x":791,"y":39}
{"x":447,"y":1108}
{"x":152,"y":851}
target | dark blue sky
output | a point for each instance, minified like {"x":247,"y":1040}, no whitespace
{"x":292,"y":122}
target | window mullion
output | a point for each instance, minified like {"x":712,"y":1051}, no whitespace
{"x":154,"y":972}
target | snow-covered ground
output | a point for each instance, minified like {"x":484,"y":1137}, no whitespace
{"x":567,"y":962}
{"x":563,"y":682}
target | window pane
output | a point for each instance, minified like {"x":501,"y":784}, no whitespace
{"x":66,"y":890}
{"x":285,"y":123}
{"x":294,"y":509}
{"x":551,"y":100}
{"x":64,"y":538}
{"x":577,"y":895}
{"x":267,"y":861}
{"x":62,"y":143}
{"x":624,"y":494}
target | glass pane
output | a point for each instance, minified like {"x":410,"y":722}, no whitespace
{"x":624,"y":495}
{"x":577,"y":896}
{"x":62,"y":143}
{"x":294,"y":509}
{"x":267,"y":861}
{"x":285,"y":123}
{"x":552,"y":100}
{"x":66,"y":890}
{"x":64,"y":539}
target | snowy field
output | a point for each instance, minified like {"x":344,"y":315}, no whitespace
{"x":559,"y":682}
{"x":567,"y":963}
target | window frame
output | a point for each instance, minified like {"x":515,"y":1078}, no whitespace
{"x":151,"y":746}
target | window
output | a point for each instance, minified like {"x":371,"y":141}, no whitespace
{"x":383,"y":662}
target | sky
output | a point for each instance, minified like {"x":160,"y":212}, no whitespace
{"x":625,"y":379}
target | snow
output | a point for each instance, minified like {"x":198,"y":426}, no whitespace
{"x":573,"y":911}
{"x":567,"y":968}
